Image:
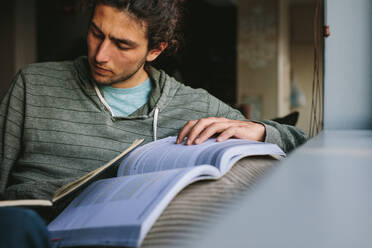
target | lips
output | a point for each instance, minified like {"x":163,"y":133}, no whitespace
{"x":101,"y":70}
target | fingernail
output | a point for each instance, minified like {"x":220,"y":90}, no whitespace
{"x":197,"y":141}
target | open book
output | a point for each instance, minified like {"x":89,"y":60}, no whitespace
{"x":72,"y":187}
{"x":120,"y":211}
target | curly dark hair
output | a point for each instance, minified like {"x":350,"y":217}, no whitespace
{"x":162,"y":18}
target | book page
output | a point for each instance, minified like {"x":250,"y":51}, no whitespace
{"x":161,"y":155}
{"x":226,"y":154}
{"x":120,"y":211}
{"x":26,"y":203}
{"x":165,"y":154}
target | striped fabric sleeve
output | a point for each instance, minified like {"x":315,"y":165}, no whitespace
{"x":285,"y":136}
{"x":11,"y":123}
{"x":221,"y":109}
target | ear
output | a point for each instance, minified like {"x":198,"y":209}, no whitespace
{"x":154,"y":53}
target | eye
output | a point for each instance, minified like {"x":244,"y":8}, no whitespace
{"x":96,"y":34}
{"x":121,"y":46}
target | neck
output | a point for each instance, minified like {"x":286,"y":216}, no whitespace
{"x":133,"y":80}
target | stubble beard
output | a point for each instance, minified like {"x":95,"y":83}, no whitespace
{"x":122,"y":78}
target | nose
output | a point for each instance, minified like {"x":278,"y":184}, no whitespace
{"x":103,"y":52}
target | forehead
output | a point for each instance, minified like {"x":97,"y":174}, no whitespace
{"x":118,"y":23}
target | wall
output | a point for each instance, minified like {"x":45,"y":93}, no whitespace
{"x":348,"y":63}
{"x":25,"y":33}
{"x":263,"y":57}
{"x":6,"y":45}
{"x":257,"y":55}
{"x":64,"y":39}
{"x":207,"y":58}
{"x":18,"y":39}
{"x":302,"y":57}
{"x":284,"y":63}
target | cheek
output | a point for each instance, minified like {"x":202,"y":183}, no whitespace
{"x":121,"y":61}
{"x":137,"y":56}
{"x":124,"y":58}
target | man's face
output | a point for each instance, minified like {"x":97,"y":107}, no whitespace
{"x":118,"y":48}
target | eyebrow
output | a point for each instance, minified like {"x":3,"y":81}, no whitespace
{"x":123,"y":41}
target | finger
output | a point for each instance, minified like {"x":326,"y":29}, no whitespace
{"x":211,"y":130}
{"x":198,"y":128}
{"x":185,"y":130}
{"x":227,"y":134}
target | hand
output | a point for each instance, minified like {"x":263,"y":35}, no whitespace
{"x":198,"y":131}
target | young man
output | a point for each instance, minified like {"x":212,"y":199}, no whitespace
{"x":60,"y":120}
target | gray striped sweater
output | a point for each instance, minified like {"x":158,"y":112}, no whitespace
{"x":55,"y":127}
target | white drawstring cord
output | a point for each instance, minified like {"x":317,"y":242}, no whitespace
{"x":155,"y":123}
{"x":103,"y":99}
